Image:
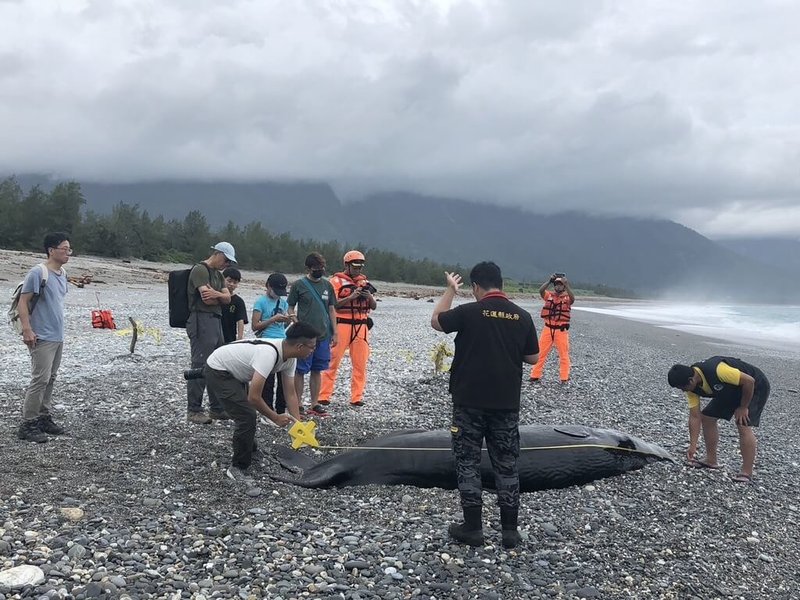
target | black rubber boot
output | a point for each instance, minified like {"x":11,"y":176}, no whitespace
{"x":471,"y":530}
{"x":508,"y":523}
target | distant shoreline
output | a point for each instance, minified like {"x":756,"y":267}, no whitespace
{"x":14,"y":264}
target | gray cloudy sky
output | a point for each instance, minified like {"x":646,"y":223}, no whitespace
{"x":681,"y":110}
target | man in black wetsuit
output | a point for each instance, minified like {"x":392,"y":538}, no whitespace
{"x":737,"y":389}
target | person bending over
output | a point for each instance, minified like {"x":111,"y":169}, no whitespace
{"x":236,"y":374}
{"x":737,"y":389}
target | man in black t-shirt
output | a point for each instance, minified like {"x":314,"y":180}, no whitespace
{"x":494,"y":337}
{"x":234,"y":316}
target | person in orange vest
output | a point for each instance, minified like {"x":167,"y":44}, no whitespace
{"x":354,"y":301}
{"x":556,"y":315}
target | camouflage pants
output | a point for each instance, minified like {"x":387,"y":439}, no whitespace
{"x":500,"y":429}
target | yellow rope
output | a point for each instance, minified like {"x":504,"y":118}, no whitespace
{"x":566,"y":447}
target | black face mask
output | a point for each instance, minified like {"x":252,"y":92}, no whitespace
{"x":317,"y":273}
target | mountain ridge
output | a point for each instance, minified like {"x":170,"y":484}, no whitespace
{"x":647,"y":256}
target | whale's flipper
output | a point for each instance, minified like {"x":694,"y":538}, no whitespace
{"x":294,"y":461}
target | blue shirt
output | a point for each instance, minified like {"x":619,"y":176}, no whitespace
{"x":269,"y":307}
{"x":47,"y":319}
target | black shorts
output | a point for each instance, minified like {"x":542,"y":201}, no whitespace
{"x":721,"y":408}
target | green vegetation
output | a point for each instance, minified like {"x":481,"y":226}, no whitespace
{"x":129,"y":232}
{"x":441,"y":352}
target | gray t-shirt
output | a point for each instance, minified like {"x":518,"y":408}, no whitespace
{"x":243,"y":358}
{"x":47,"y":319}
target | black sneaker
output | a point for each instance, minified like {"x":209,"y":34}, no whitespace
{"x":47,"y":425}
{"x":30,"y":432}
{"x":357,"y":403}
{"x":325,"y":402}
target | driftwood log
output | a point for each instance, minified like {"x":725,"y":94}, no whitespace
{"x":134,"y":333}
{"x":81,"y":281}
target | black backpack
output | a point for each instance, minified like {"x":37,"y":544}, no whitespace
{"x":178,"y":289}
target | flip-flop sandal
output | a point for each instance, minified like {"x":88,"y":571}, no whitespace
{"x":699,"y":464}
{"x":742,"y":478}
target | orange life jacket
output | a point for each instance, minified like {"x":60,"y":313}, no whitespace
{"x":357,"y":311}
{"x":103,"y":319}
{"x":556,"y":310}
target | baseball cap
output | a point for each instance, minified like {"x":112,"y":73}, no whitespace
{"x":278,"y":283}
{"x":227,"y":249}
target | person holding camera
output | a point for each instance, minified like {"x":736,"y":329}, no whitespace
{"x":270,"y":319}
{"x":354,"y":302}
{"x":556,"y":315}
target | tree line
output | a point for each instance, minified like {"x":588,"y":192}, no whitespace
{"x":129,"y":232}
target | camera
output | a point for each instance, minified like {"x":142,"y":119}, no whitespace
{"x":193,"y":373}
{"x":560,"y":275}
{"x":366,"y":285}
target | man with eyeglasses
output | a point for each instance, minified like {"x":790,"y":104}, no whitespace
{"x":236,"y":374}
{"x":207,"y":295}
{"x":41,"y":313}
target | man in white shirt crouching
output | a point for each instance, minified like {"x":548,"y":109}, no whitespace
{"x":237,"y":373}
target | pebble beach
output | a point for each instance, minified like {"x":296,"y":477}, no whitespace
{"x":133,"y":501}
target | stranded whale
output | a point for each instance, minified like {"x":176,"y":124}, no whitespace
{"x":550,"y":457}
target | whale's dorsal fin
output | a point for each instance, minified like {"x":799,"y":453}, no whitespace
{"x":575,"y":431}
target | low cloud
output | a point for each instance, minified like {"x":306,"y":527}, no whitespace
{"x":653,"y":109}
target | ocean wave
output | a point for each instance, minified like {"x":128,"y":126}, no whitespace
{"x":741,"y":323}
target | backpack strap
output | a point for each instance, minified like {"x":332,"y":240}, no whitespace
{"x":45,"y":272}
{"x":318,"y":298}
{"x":257,"y":342}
